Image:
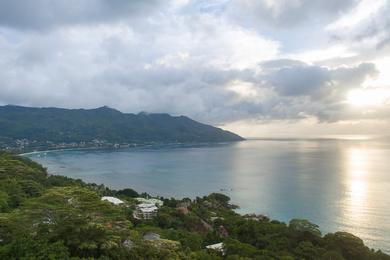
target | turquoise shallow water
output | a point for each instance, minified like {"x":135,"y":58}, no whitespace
{"x":338,"y":184}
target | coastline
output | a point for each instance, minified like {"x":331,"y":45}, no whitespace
{"x":58,"y":150}
{"x":176,"y":227}
{"x":283,"y":212}
{"x":229,"y":206}
{"x":131,"y":147}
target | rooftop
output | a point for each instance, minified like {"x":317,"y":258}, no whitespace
{"x":113,"y":200}
{"x":156,"y":202}
{"x":218,"y":247}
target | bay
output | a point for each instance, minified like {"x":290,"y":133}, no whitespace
{"x":337,"y":184}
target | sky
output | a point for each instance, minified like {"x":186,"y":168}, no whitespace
{"x":261,"y":68}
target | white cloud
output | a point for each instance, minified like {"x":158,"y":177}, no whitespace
{"x":383,"y":78}
{"x":318,"y":55}
{"x":218,"y":61}
{"x":369,"y":97}
{"x":364,"y":10}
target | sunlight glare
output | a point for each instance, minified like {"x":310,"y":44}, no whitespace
{"x":357,"y":166}
{"x":367,"y":97}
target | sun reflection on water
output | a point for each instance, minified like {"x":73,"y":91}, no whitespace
{"x":356,"y":175}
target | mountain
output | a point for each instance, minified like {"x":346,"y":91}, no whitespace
{"x":58,"y":125}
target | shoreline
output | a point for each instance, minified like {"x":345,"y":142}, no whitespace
{"x":237,"y":209}
{"x":135,"y":145}
{"x":58,"y":150}
{"x":184,"y":146}
{"x":189,"y":145}
{"x":212,"y":215}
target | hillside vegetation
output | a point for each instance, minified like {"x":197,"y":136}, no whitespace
{"x":44,"y":216}
{"x":44,"y":126}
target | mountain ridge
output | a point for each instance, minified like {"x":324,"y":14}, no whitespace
{"x":61,"y":125}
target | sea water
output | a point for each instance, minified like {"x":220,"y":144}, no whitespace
{"x":337,"y":184}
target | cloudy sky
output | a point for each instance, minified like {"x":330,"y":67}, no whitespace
{"x":257,"y":67}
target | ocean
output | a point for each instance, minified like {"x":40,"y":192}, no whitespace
{"x":335,"y":183}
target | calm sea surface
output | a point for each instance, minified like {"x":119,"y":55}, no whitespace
{"x":337,"y":184}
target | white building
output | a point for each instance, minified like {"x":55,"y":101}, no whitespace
{"x":217,"y":247}
{"x":145,"y":211}
{"x":113,"y":200}
{"x":156,"y":202}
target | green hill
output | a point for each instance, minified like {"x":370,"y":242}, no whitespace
{"x":102,"y":125}
{"x":45,"y":216}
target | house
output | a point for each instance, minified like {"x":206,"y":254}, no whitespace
{"x":256,"y":217}
{"x":145,"y":211}
{"x":156,"y":202}
{"x":113,"y":200}
{"x":217,"y":247}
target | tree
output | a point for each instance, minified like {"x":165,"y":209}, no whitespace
{"x":350,"y":246}
{"x":31,"y":188}
{"x":219,"y":197}
{"x":332,"y":255}
{"x":187,"y":239}
{"x":33,"y":248}
{"x":128,"y":193}
{"x":307,"y":250}
{"x":235,"y":247}
{"x":303,"y":225}
{"x":14,"y":191}
{"x":3,"y":202}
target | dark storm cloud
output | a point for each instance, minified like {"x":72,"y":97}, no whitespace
{"x":43,"y":14}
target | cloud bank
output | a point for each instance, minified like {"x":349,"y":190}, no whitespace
{"x":216,"y":61}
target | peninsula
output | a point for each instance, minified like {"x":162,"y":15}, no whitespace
{"x":27,"y":129}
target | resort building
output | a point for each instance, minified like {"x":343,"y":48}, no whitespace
{"x":113,"y":200}
{"x":217,"y":247}
{"x":156,"y":202}
{"x":145,"y":211}
{"x":256,"y":217}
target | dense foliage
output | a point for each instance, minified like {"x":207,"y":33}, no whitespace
{"x":52,"y":217}
{"x":82,"y":125}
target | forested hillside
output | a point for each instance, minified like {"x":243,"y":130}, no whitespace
{"x":52,"y":217}
{"x":56,"y":125}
